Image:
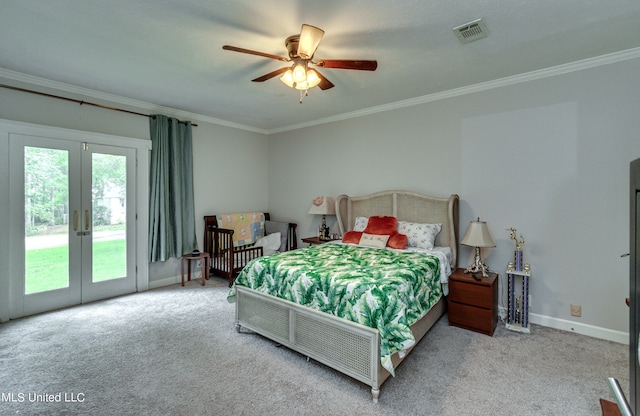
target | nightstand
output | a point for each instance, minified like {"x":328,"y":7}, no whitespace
{"x":473,"y":304}
{"x":315,"y":240}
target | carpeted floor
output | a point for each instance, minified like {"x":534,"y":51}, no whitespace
{"x":175,"y":351}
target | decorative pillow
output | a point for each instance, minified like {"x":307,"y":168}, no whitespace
{"x":361,"y":223}
{"x":398,"y":241}
{"x":374,"y":240}
{"x":382,"y":225}
{"x":281,"y":227}
{"x":352,"y":237}
{"x":420,"y":235}
{"x":270,"y":243}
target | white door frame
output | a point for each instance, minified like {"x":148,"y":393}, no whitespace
{"x":8,"y":221}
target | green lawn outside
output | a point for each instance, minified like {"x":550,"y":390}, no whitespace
{"x":47,"y":268}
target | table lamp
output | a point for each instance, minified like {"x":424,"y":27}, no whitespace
{"x":323,"y":205}
{"x":478,"y":236}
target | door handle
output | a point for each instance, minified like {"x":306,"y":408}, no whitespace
{"x":86,"y":223}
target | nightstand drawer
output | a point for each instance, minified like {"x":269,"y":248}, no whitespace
{"x":471,"y":294}
{"x":475,"y":319}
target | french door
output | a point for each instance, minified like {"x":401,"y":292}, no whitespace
{"x":73,"y":206}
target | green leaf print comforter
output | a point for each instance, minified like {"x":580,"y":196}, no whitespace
{"x":385,"y":289}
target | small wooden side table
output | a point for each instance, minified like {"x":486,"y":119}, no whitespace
{"x":205,"y":259}
{"x":315,"y":240}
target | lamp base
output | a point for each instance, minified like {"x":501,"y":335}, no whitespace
{"x":324,"y":230}
{"x":478,"y":266}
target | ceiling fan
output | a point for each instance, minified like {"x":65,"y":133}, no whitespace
{"x":301,"y":49}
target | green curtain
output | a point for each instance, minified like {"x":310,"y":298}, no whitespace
{"x":172,"y":227}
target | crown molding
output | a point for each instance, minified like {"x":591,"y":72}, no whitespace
{"x":470,"y":89}
{"x":138,"y":104}
{"x":607,"y":59}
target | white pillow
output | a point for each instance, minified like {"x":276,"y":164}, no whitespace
{"x":361,"y":223}
{"x":281,"y":227}
{"x":270,"y":243}
{"x":419,"y":235}
{"x":374,"y":240}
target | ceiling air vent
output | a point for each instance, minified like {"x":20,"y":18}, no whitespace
{"x":471,"y":31}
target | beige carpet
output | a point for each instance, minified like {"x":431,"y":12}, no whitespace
{"x":175,"y":351}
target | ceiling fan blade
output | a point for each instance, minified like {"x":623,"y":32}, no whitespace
{"x":325,"y":84}
{"x":250,"y":52}
{"x":310,"y":37}
{"x":271,"y":74}
{"x":348,"y":64}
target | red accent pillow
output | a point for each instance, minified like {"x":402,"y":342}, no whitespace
{"x":398,"y":240}
{"x":382,"y":225}
{"x":352,"y":237}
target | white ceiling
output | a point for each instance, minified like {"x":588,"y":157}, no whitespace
{"x":169,"y":52}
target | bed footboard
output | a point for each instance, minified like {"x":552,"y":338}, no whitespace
{"x":348,"y":347}
{"x":345,"y":346}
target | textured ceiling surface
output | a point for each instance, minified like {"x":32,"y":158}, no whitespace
{"x":169,"y":52}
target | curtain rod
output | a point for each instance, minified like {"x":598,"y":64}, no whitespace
{"x":81,"y":102}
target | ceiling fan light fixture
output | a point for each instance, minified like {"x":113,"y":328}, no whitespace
{"x":312,"y":78}
{"x":299,"y":73}
{"x":300,"y":49}
{"x":310,"y":37}
{"x":302,"y":86}
{"x":287,"y":78}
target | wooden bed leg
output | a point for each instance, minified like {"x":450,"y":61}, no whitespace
{"x":237,"y":327}
{"x":375,"y":393}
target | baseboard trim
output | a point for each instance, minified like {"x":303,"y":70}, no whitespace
{"x":620,"y":337}
{"x":168,"y":281}
{"x":580,"y":328}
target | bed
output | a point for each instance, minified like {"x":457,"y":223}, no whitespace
{"x":353,"y":348}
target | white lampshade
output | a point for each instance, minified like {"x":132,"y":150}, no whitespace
{"x":478,"y":235}
{"x":323,"y":205}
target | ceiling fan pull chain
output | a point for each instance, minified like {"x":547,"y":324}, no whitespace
{"x":303,"y":93}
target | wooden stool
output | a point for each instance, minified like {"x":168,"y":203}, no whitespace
{"x":204,"y":257}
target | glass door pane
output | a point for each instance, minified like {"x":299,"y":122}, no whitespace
{"x":108,"y":221}
{"x":46,"y":219}
{"x":44,"y":209}
{"x":109,"y":208}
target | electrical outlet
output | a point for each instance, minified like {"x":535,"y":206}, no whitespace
{"x":576,"y":310}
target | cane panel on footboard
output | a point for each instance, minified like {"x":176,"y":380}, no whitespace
{"x":348,"y":347}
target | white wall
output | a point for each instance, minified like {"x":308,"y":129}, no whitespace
{"x":230,"y":165}
{"x":549,"y":157}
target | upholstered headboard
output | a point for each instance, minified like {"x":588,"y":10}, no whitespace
{"x":406,"y":206}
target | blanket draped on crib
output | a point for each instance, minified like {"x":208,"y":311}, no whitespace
{"x":247,"y":227}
